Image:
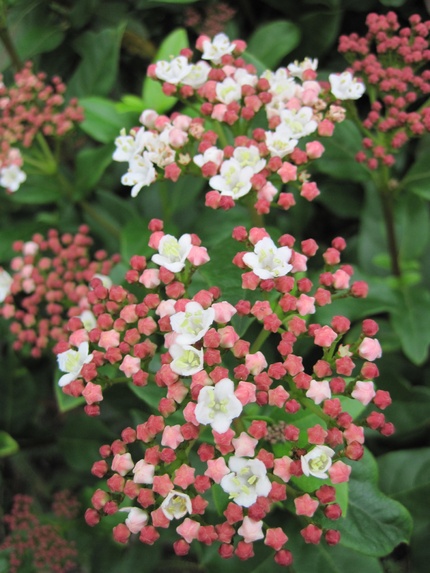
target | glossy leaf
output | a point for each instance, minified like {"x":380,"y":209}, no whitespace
{"x":417,"y":179}
{"x":90,"y":166}
{"x":102,"y":120}
{"x":375,"y":524}
{"x":8,"y":445}
{"x":272,"y":41}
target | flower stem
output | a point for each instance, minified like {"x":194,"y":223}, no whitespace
{"x":7,"y":40}
{"x":388,"y":211}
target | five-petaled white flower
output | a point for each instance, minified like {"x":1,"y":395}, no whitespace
{"x":345,"y":86}
{"x":141,"y":173}
{"x":88,"y":319}
{"x":217,"y":406}
{"x":247,"y":481}
{"x":192,"y":324}
{"x":71,"y":362}
{"x":128,"y":145}
{"x":176,"y":505}
{"x":187,"y":360}
{"x":173,"y":252}
{"x":215,"y":50}
{"x":174,"y":71}
{"x":317,"y":462}
{"x":298,"y":123}
{"x":268,"y":261}
{"x":234,"y":180}
{"x":228,"y":91}
{"x":197,"y":75}
{"x":11,"y":177}
{"x":297,"y":68}
{"x":5,"y":283}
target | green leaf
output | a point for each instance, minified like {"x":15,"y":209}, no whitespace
{"x":131,"y":103}
{"x":38,"y":190}
{"x":97,"y":72}
{"x":413,"y":227}
{"x":411,"y":321}
{"x":90,"y":166}
{"x":338,"y":159}
{"x":152,"y":92}
{"x":272,"y":41}
{"x":405,"y":476}
{"x":375,"y":524}
{"x":102,"y":120}
{"x":417,"y":179}
{"x":313,"y":41}
{"x":65,"y":402}
{"x":134,"y":239}
{"x":8,"y":445}
{"x":34,"y":29}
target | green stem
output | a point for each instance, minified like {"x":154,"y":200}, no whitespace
{"x":112,"y":229}
{"x":7,"y":40}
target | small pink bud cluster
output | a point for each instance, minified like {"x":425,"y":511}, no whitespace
{"x":50,"y":283}
{"x":230,"y":94}
{"x":31,"y":106}
{"x":393,"y":61}
{"x":31,"y":543}
{"x":213,"y":19}
{"x":254,"y":403}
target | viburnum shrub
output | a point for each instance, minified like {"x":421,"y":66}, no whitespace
{"x":262,"y":401}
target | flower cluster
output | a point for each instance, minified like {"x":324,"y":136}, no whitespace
{"x":232,"y":416}
{"x":32,"y":543}
{"x":226,"y":143}
{"x":29,"y":107}
{"x":212,"y":19}
{"x":392,"y":61}
{"x":49,"y":284}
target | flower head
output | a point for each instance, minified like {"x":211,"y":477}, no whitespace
{"x":247,"y":481}
{"x":176,"y":505}
{"x":192,"y":324}
{"x":71,"y":362}
{"x":345,"y":86}
{"x":173,"y":252}
{"x":268,"y":261}
{"x":218,"y":406}
{"x":317,"y":462}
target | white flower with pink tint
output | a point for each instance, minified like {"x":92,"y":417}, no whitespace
{"x":172,"y":252}
{"x":251,"y":530}
{"x":141,"y":173}
{"x":11,"y":177}
{"x":217,"y":48}
{"x":130,"y":365}
{"x":71,"y":362}
{"x":345,"y":86}
{"x":370,"y":349}
{"x":193,"y":323}
{"x":143,"y":472}
{"x":5,"y":284}
{"x":122,"y":464}
{"x":172,"y":436}
{"x":228,"y":91}
{"x":174,"y":71}
{"x":136,"y":519}
{"x":176,"y":505}
{"x":317,"y":462}
{"x":244,"y":445}
{"x":280,"y":142}
{"x":217,"y":406}
{"x":212,"y":154}
{"x":268,"y":261}
{"x":233,"y":180}
{"x":364,"y":392}
{"x":88,"y":320}
{"x":224,"y":311}
{"x":187,"y":360}
{"x":298,"y":122}
{"x":319,"y":391}
{"x":247,"y":481}
{"x":297,"y":68}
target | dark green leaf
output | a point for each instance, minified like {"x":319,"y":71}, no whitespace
{"x":151,"y":90}
{"x":90,"y":166}
{"x":314,"y":42}
{"x":102,"y":120}
{"x":134,"y":239}
{"x":413,"y":228}
{"x":411,"y":321}
{"x":8,"y":445}
{"x":392,"y":3}
{"x":38,"y":190}
{"x":417,"y":179}
{"x":96,"y":74}
{"x":375,"y":524}
{"x":272,"y":41}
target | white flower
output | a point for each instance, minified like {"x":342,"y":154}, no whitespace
{"x":319,"y":391}
{"x":106,"y":281}
{"x":268,"y":261}
{"x":298,"y":122}
{"x":197,"y":75}
{"x":218,"y":406}
{"x":249,"y":157}
{"x":172,"y":252}
{"x":136,"y":519}
{"x":174,"y":71}
{"x":279,"y":142}
{"x":219,"y":47}
{"x":11,"y":177}
{"x":143,"y":472}
{"x":233,"y":181}
{"x":228,"y":91}
{"x":192,"y":324}
{"x":282,"y":87}
{"x":317,"y":462}
{"x":187,"y":360}
{"x":88,"y":320}
{"x":157,"y":149}
{"x":244,"y":78}
{"x":71,"y":361}
{"x":128,"y":145}
{"x":176,"y":505}
{"x":5,"y":284}
{"x":141,"y":173}
{"x":344,"y":86}
{"x":211,"y":154}
{"x":297,"y":68}
{"x":247,"y":481}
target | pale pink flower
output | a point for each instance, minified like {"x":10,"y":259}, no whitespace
{"x":217,"y":469}
{"x":246,"y":392}
{"x":150,"y":278}
{"x":143,"y":472}
{"x":319,"y":391}
{"x":136,"y":519}
{"x":92,"y":393}
{"x":244,"y":445}
{"x":339,"y":472}
{"x":282,"y":468}
{"x":130,"y":365}
{"x":325,"y":336}
{"x":223,"y":312}
{"x":109,"y":339}
{"x":122,"y":464}
{"x":305,"y":304}
{"x":172,"y":436}
{"x":255,"y":363}
{"x":305,"y":505}
{"x":198,"y":256}
{"x":188,"y":529}
{"x":184,"y":476}
{"x":251,"y":530}
{"x":364,"y":392}
{"x":370,"y":349}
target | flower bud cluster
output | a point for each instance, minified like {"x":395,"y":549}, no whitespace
{"x":28,"y":107}
{"x":255,"y":133}
{"x":393,"y":62}
{"x":211,"y":19}
{"x":231,"y":415}
{"x":48,"y":285}
{"x":31,"y":543}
